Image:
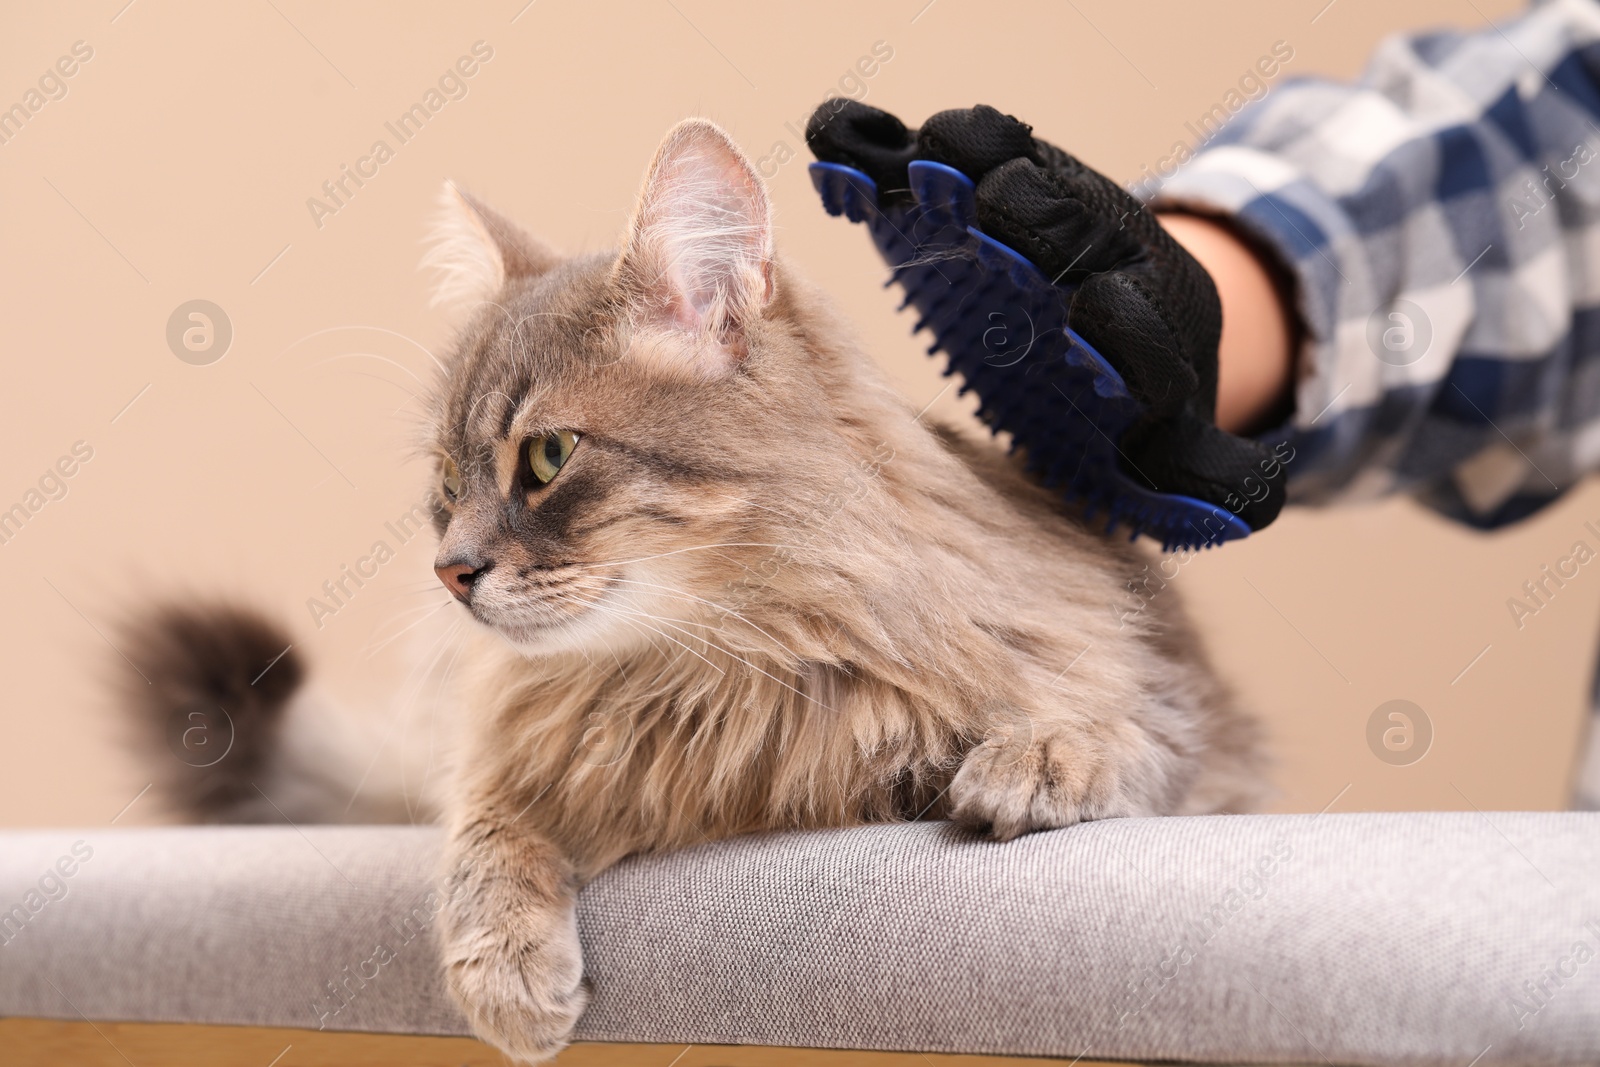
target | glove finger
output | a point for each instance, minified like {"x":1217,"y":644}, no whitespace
{"x":872,"y":141}
{"x":975,"y":140}
{"x":1187,"y":454}
{"x":1036,"y":212}
{"x":1117,"y":314}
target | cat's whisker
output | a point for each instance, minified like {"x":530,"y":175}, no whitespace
{"x":416,"y":589}
{"x":637,"y":623}
{"x":388,"y":381}
{"x":581,"y":650}
{"x":727,"y":652}
{"x":376,"y":329}
{"x":408,"y":613}
{"x":409,"y":798}
{"x":640,"y":619}
{"x":423,"y":676}
{"x":374,"y":355}
{"x":684,"y":594}
{"x":615,"y":659}
{"x":590,"y":660}
{"x":676,"y":552}
{"x":397,"y":718}
{"x":433,"y":714}
{"x":641,"y":616}
{"x":431,"y":609}
{"x":659,"y":683}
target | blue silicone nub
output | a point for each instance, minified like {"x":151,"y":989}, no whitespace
{"x":1002,"y":324}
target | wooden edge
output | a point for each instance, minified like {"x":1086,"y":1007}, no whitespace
{"x":52,"y":1043}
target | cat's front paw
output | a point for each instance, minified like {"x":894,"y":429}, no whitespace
{"x":1031,"y":777}
{"x":518,"y":977}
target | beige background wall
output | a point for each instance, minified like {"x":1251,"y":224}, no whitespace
{"x":178,"y":166}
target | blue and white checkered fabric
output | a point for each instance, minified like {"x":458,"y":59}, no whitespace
{"x":1441,"y":221}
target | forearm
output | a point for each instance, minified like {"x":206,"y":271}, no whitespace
{"x":1255,"y":359}
{"x":1442,"y":328}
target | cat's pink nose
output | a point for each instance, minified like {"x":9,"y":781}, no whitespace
{"x":458,"y":578}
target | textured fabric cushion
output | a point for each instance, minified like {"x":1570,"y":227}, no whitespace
{"x":1416,"y":938}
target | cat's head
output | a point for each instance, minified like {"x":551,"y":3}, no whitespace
{"x":623,"y":438}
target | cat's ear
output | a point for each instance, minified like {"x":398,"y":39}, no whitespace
{"x":698,"y":256}
{"x":474,"y":250}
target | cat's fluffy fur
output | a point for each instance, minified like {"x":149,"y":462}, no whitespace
{"x":761,"y":594}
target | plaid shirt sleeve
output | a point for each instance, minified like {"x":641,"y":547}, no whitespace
{"x":1440,"y":219}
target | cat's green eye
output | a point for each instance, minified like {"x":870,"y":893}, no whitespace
{"x":549,"y":452}
{"x":452,"y":479}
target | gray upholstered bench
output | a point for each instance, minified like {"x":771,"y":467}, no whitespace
{"x":1409,"y":938}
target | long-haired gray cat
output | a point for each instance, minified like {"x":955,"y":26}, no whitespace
{"x":689,"y":516}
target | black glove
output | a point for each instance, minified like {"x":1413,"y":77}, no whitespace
{"x":1141,"y":300}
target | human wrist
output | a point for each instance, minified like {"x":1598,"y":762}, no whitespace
{"x":1255,"y":357}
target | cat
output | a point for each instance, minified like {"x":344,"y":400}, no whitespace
{"x":726,"y":580}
